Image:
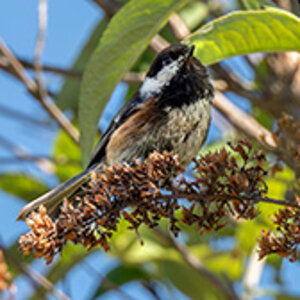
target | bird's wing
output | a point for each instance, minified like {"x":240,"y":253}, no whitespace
{"x":54,"y":197}
{"x":128,"y":109}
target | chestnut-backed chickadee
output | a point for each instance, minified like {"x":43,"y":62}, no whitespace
{"x":170,"y":111}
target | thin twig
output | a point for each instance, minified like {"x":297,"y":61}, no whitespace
{"x":243,"y":87}
{"x":15,"y":114}
{"x":110,"y":7}
{"x":158,"y":43}
{"x":195,"y":196}
{"x":32,"y":158}
{"x":35,"y":277}
{"x":244,"y":121}
{"x":250,"y":62}
{"x":18,"y":71}
{"x":196,"y":264}
{"x":76,"y":74}
{"x":133,"y":77}
{"x":42,"y":29}
{"x":180,"y":30}
{"x":150,"y":288}
{"x":43,"y":163}
{"x":40,"y":43}
{"x":129,"y":77}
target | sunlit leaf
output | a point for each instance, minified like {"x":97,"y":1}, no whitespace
{"x":229,"y":263}
{"x":67,"y":155}
{"x":245,"y":32}
{"x":22,"y":186}
{"x":68,"y":97}
{"x":125,"y":38}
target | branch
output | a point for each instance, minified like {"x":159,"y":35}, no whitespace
{"x":35,"y":277}
{"x":244,"y":122}
{"x":17,"y":70}
{"x":180,"y":30}
{"x":43,"y":163}
{"x":133,"y":77}
{"x":158,"y":43}
{"x":196,"y":264}
{"x":42,"y":29}
{"x":15,"y":114}
{"x":110,"y":7}
{"x":199,"y":197}
{"x":76,"y":74}
{"x":235,"y":84}
{"x":129,"y":77}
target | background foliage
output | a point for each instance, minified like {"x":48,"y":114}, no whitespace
{"x":261,"y":87}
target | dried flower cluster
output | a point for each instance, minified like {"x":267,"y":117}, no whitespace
{"x":287,"y":238}
{"x":226,"y":184}
{"x":92,"y":219}
{"x":5,"y":276}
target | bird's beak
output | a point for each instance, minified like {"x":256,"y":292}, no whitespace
{"x":190,"y":51}
{"x":189,"y":54}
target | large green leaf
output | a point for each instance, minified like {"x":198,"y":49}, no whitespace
{"x":120,"y":275}
{"x":22,"y":186}
{"x":125,"y":38}
{"x":187,"y":280}
{"x":245,"y":32}
{"x":67,"y":155}
{"x":68,"y":97}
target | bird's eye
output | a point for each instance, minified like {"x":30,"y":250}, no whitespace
{"x":167,"y":60}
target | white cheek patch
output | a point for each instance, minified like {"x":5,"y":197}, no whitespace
{"x":153,"y":85}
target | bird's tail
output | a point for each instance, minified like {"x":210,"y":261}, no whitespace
{"x":53,"y":198}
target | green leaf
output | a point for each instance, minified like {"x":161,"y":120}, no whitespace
{"x":228,"y":264}
{"x":22,"y":186}
{"x":68,"y":97}
{"x":256,"y":4}
{"x":245,"y":32}
{"x":286,"y":297}
{"x":125,"y":38}
{"x":121,"y":275}
{"x":187,"y":280}
{"x":67,"y":155}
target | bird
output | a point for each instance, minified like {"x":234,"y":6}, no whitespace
{"x":169,"y":111}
